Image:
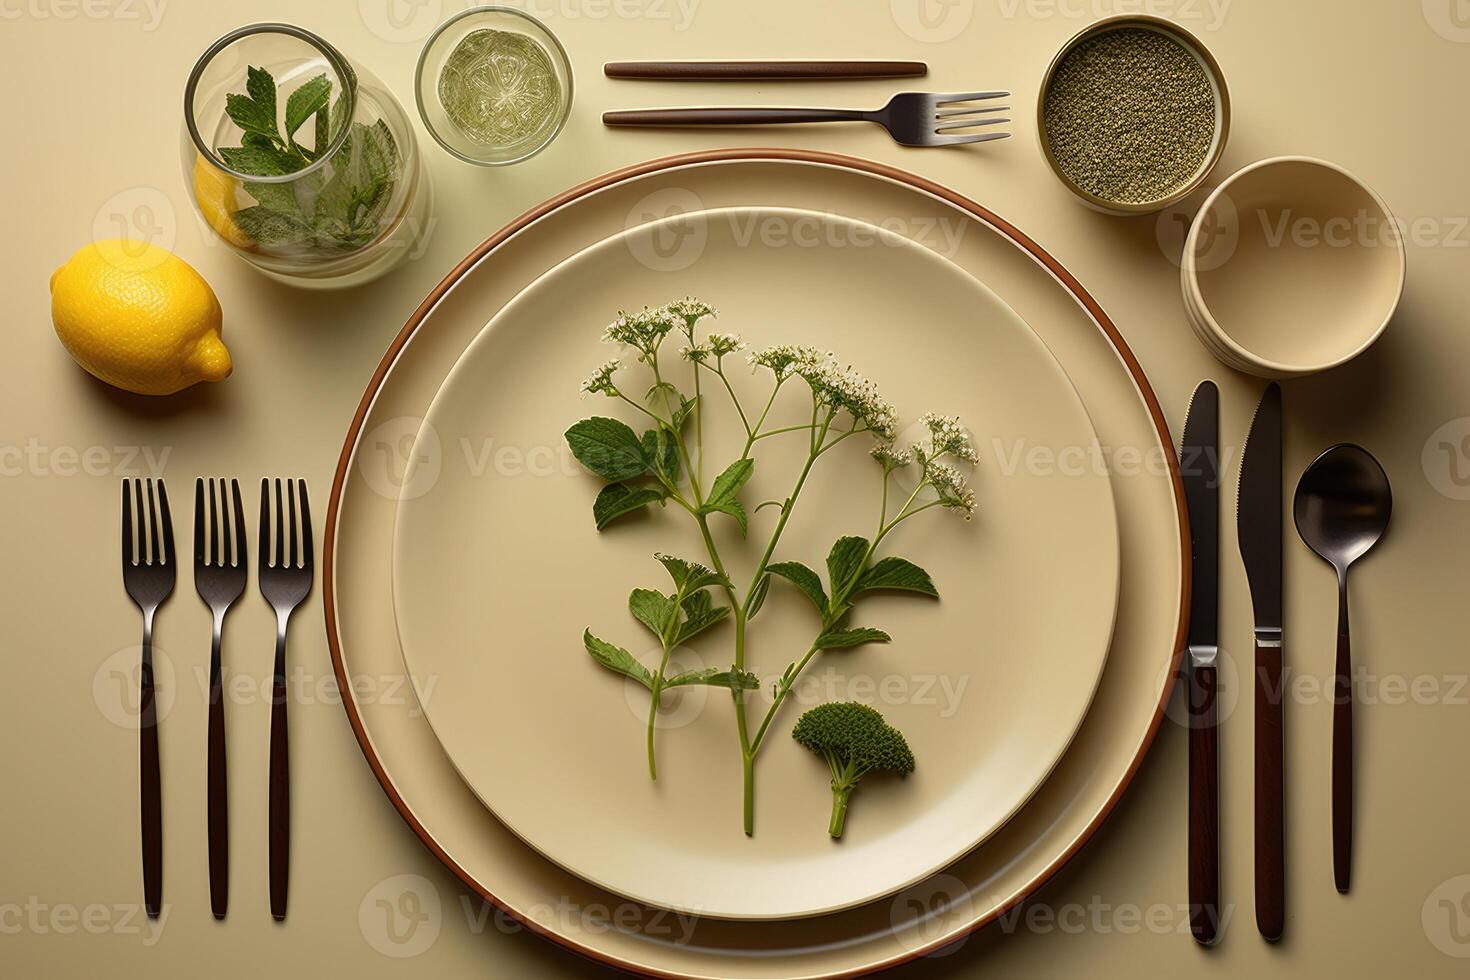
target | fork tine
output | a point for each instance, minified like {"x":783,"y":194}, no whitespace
{"x":199,"y":554}
{"x":955,"y":124}
{"x":151,"y":528}
{"x":214,"y":554}
{"x":168,"y":524}
{"x":305,"y":529}
{"x":280,"y":529}
{"x":141,"y":554}
{"x":241,"y":555}
{"x":971,"y":110}
{"x":291,"y":496}
{"x":265,"y":523}
{"x":227,"y":558}
{"x":127,"y":523}
{"x":976,"y":138}
{"x":953,"y":97}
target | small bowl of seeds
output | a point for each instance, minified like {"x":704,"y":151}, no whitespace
{"x":1133,"y":114}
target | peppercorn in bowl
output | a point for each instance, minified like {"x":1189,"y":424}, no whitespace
{"x":1133,"y":114}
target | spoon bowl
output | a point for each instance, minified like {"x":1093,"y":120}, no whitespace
{"x":1343,"y":502}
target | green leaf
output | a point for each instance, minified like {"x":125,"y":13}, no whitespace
{"x":757,"y":597}
{"x":724,"y":493}
{"x":689,"y":576}
{"x":616,"y":659}
{"x":261,"y":87}
{"x":250,"y":115}
{"x":303,"y":103}
{"x":379,"y":152}
{"x":833,"y":639}
{"x":661,"y":454}
{"x":273,"y":228}
{"x":276,"y":197}
{"x":321,"y":139}
{"x":607,"y":447}
{"x":682,"y":413}
{"x":804,"y":579}
{"x":618,"y":499}
{"x":741,"y":680}
{"x":896,"y":573}
{"x":843,"y":562}
{"x":698,"y":622}
{"x":258,"y":160}
{"x":653,"y":609}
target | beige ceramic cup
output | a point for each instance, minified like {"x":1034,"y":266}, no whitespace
{"x":1292,"y":266}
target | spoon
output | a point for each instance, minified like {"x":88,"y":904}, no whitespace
{"x":1342,"y":506}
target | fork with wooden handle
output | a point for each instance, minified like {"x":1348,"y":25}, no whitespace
{"x":148,"y":577}
{"x":911,"y":118}
{"x":285,"y":573}
{"x":219,"y":577}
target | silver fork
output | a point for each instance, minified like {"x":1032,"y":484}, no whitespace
{"x":219,"y":578}
{"x":285,"y":574}
{"x":911,"y":118}
{"x":148,"y":577}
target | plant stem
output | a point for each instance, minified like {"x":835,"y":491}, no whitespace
{"x":840,"y":796}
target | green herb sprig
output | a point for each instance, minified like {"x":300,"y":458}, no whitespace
{"x":336,"y":208}
{"x":658,"y":467}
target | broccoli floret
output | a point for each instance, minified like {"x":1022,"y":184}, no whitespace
{"x":855,"y":740}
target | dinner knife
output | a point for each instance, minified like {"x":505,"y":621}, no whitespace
{"x":1199,"y":464}
{"x":1258,"y":519}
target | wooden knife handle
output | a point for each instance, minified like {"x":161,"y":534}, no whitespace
{"x":1204,"y":807}
{"x":1270,"y":794}
{"x":690,"y":71}
{"x":1342,"y":757}
{"x":727,"y":116}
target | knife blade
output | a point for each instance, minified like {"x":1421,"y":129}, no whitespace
{"x":1199,"y":465}
{"x":1259,"y":517}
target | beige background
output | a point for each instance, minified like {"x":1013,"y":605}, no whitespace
{"x":92,"y":96}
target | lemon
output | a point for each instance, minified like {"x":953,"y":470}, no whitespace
{"x":214,"y":192}
{"x":138,"y":317}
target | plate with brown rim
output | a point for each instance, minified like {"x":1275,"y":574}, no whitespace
{"x":498,"y":570}
{"x":1053,"y":825}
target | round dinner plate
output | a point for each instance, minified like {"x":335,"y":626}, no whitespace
{"x":498,"y":569}
{"x":374,"y":473}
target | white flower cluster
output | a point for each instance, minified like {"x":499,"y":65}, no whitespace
{"x":717,"y":345}
{"x":953,"y":491}
{"x":833,"y":384}
{"x":891,"y":456}
{"x":601,"y":380}
{"x":947,"y":437}
{"x":691,"y":310}
{"x":644,"y":330}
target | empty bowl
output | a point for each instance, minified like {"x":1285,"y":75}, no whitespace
{"x":1292,"y":266}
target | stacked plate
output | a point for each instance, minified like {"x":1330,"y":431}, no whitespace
{"x":462,"y":553}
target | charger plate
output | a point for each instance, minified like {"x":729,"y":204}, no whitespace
{"x":498,"y":569}
{"x":376,"y":471}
